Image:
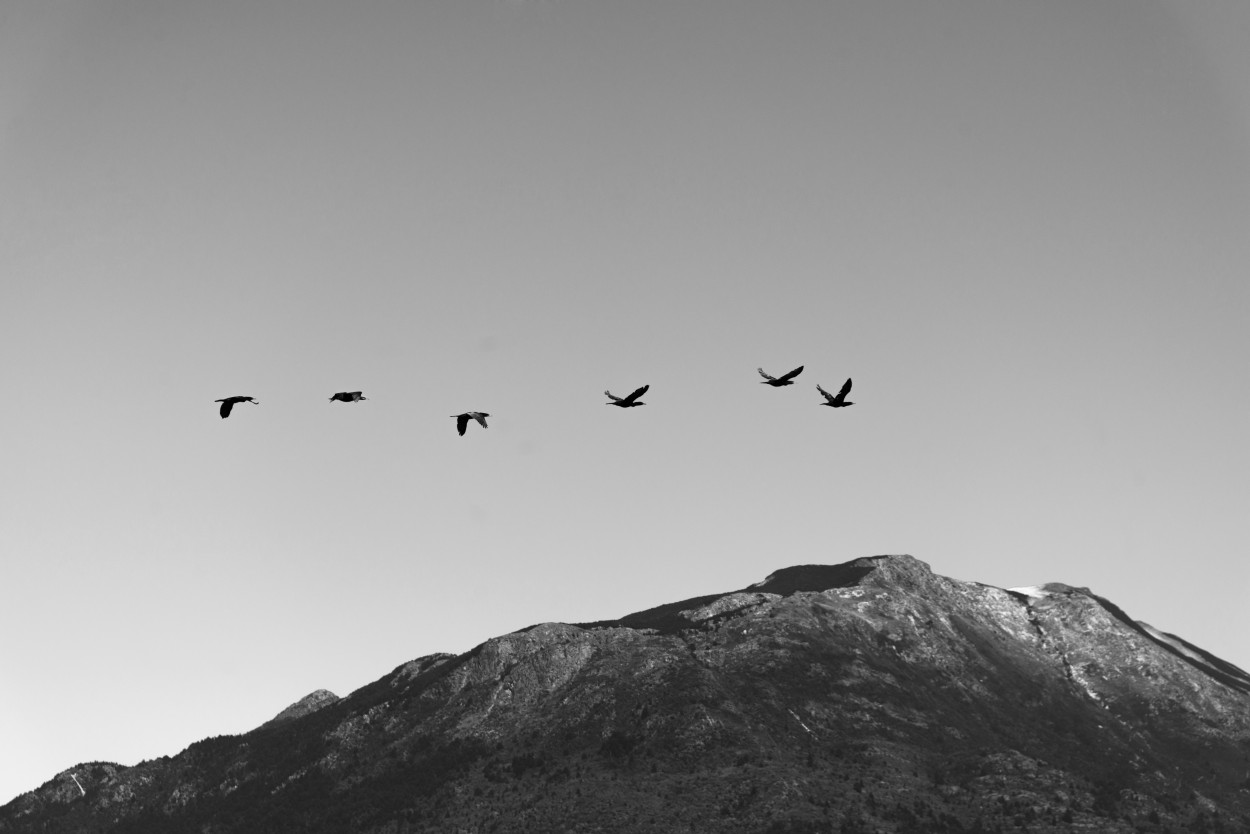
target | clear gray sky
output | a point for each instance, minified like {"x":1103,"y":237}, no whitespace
{"x":1020,"y":226}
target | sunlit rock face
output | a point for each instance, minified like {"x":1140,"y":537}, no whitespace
{"x":867,"y":696}
{"x":308,"y":704}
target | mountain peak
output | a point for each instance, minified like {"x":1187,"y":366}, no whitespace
{"x":811,"y":578}
{"x":900,"y":569}
{"x":311,"y":702}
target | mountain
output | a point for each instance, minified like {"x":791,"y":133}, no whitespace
{"x":867,"y":696}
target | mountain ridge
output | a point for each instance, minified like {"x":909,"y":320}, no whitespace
{"x":868,"y":695}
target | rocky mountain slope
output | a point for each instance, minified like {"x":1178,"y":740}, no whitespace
{"x":867,"y":696}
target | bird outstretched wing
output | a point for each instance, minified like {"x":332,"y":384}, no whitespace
{"x":229,"y":403}
{"x":791,"y":375}
{"x":612,"y":396}
{"x":634,"y":396}
{"x":766,"y":376}
{"x":839,"y":399}
{"x":480,"y":417}
{"x":462,"y":423}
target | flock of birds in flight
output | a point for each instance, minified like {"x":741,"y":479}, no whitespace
{"x":837,"y":400}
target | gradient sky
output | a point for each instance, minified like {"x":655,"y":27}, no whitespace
{"x":1020,"y":226}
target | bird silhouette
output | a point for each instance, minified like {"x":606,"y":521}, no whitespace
{"x":839,"y":400}
{"x":462,"y":420}
{"x":348,"y":397}
{"x":627,"y":402}
{"x":777,"y":382}
{"x":228,"y":403}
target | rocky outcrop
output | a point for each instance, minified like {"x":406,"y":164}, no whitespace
{"x":309,"y":703}
{"x":873,"y":695}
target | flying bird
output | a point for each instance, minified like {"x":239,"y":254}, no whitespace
{"x":839,"y":400}
{"x":228,"y":403}
{"x":777,"y":382}
{"x":348,"y":397}
{"x":627,"y":402}
{"x":462,"y":420}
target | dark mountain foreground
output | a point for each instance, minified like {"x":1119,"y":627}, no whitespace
{"x":867,"y":696}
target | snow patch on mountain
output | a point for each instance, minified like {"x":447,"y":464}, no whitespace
{"x":1032,"y":591}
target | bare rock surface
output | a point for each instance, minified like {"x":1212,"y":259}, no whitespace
{"x":309,"y":703}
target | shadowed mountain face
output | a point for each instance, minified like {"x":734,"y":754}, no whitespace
{"x":868,"y":696}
